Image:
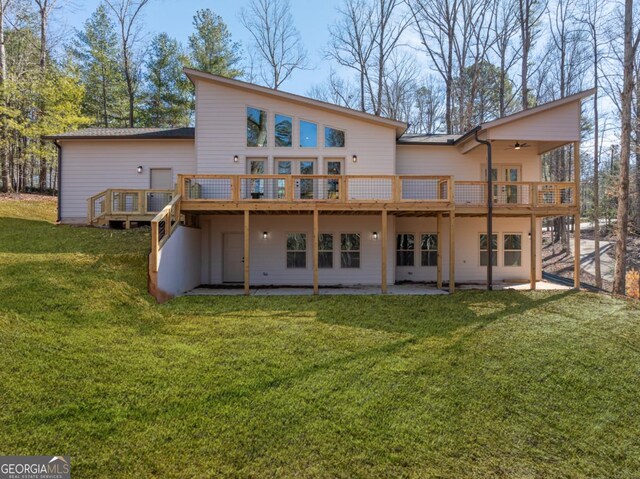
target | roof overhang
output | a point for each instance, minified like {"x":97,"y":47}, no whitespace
{"x":194,"y":75}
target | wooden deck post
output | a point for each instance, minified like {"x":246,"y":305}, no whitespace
{"x":439,"y":240}
{"x":576,"y":217}
{"x":452,"y":252}
{"x":316,"y":289}
{"x":383,"y":252}
{"x":246,"y":251}
{"x":534,"y":251}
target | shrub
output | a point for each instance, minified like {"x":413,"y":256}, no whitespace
{"x":633,"y":284}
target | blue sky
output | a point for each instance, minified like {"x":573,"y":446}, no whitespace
{"x":175,"y":17}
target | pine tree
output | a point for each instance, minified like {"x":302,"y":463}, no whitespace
{"x":97,"y":53}
{"x":211,"y":48}
{"x":167,"y":96}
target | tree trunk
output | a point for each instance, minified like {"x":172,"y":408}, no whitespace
{"x":596,"y":174}
{"x":622,"y":219}
{"x":7,"y":187}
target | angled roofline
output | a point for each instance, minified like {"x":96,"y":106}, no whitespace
{"x":400,"y":126}
{"x":141,"y":135}
{"x":539,"y":109}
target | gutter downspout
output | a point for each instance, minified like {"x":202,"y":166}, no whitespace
{"x":489,"y":212}
{"x":59,"y":147}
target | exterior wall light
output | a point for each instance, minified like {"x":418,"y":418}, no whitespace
{"x":235,"y":159}
{"x":375,"y":235}
{"x":355,"y":158}
{"x":140,"y":169}
{"x":265,"y":235}
{"x":529,"y":234}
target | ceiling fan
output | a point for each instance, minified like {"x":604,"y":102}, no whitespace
{"x":518,"y":146}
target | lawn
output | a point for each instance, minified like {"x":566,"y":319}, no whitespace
{"x":502,"y":384}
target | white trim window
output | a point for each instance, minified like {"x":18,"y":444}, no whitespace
{"x":405,"y":249}
{"x":484,"y":250}
{"x":325,"y":250}
{"x":283,"y":130}
{"x":308,"y":134}
{"x":429,"y":249}
{"x":256,"y":127}
{"x":512,"y":249}
{"x":350,"y":250}
{"x":334,"y":138}
{"x":296,"y":250}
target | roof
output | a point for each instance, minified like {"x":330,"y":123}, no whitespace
{"x":126,"y":134}
{"x":427,"y":139}
{"x":400,"y":126}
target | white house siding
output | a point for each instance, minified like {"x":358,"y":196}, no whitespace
{"x":447,"y":160}
{"x":92,"y":166}
{"x":467,"y":239}
{"x":179,"y":269}
{"x":221,"y":134}
{"x":268,"y":256}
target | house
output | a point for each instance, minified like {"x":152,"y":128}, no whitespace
{"x":272,"y":188}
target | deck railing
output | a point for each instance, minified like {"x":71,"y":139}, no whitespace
{"x":317,"y":188}
{"x":162,"y":226}
{"x":532,"y":194}
{"x":124,"y":202}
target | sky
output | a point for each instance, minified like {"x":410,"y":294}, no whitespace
{"x":175,"y":17}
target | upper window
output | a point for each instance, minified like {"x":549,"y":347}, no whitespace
{"x":333,"y":138}
{"x":429,"y":248}
{"x":325,"y":250}
{"x":512,"y":250}
{"x":350,"y":250}
{"x":484,"y":250}
{"x":296,"y":250}
{"x":283,"y":132}
{"x":308,"y":134}
{"x":256,"y":127}
{"x":405,"y":255}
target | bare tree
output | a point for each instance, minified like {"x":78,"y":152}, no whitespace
{"x":275,"y":38}
{"x":351,"y":43}
{"x":428,"y":107}
{"x":337,"y":91}
{"x":435,"y":22}
{"x":592,"y":20}
{"x":128,"y":14}
{"x":529,"y":14}
{"x":399,"y":86}
{"x":7,"y":185}
{"x":505,"y":28}
{"x":631,"y":41}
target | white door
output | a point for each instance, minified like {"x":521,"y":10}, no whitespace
{"x":161,"y":179}
{"x":233,"y":258}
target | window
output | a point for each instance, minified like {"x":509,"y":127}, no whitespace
{"x":325,"y":250}
{"x":334,"y":167}
{"x":296,"y":250}
{"x":308,"y":134}
{"x":429,"y":249}
{"x":333,"y":138}
{"x":512,"y":250}
{"x":350,"y":250}
{"x":256,"y":127}
{"x":283,"y":132}
{"x":405,"y":255}
{"x":484,"y":253}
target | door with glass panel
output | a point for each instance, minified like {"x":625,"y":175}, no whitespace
{"x":505,"y":194}
{"x":303,"y":187}
{"x":334,"y":167}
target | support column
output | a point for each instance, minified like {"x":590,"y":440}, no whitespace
{"x":576,"y":217}
{"x":452,"y":252}
{"x":534,"y":252}
{"x":383,"y":252}
{"x":246,"y":252}
{"x":439,"y":239}
{"x":316,"y":289}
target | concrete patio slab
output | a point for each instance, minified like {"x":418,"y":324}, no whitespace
{"x":398,"y":289}
{"x":540,"y":285}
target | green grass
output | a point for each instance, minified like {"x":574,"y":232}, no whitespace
{"x":507,"y":384}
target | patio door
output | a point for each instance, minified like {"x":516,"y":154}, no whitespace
{"x":335,"y":166}
{"x":233,"y":258}
{"x":505,"y":194}
{"x":303,"y":188}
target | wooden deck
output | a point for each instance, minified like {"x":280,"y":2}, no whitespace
{"x":126,"y":205}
